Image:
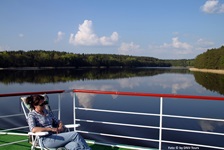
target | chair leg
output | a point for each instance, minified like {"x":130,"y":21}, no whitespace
{"x":40,"y":144}
{"x":36,"y":142}
{"x":32,"y":147}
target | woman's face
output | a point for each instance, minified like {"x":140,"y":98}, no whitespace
{"x":41,"y":104}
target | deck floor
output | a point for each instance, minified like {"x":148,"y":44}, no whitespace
{"x":26,"y":146}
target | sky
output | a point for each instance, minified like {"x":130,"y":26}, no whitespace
{"x":164,"y":29}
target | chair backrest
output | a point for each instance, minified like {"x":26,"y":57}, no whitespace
{"x":26,"y":107}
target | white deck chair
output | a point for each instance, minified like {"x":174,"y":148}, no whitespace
{"x":35,"y":137}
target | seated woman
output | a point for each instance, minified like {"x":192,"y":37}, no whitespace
{"x":42,"y":120}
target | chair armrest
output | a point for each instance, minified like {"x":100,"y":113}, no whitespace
{"x":72,"y":125}
{"x":38,"y":133}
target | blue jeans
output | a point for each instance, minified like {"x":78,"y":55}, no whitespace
{"x":69,"y":140}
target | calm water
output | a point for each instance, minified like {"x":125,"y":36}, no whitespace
{"x":151,"y":80}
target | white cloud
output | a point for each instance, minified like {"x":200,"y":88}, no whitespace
{"x":127,"y":48}
{"x":3,"y":48}
{"x":212,"y":6}
{"x":109,"y":40}
{"x":221,"y":9}
{"x":60,"y":36}
{"x":21,"y":35}
{"x":86,"y":36}
{"x":205,"y":43}
{"x":177,"y":44}
{"x":175,"y":49}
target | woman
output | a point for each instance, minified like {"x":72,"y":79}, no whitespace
{"x":42,"y":120}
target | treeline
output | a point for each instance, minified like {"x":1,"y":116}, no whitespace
{"x":180,"y":62}
{"x":42,"y":58}
{"x":211,"y":59}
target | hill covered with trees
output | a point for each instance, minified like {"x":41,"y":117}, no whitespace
{"x":211,"y":59}
{"x":42,"y":58}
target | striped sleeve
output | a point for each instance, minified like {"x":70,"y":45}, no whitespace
{"x":31,"y":121}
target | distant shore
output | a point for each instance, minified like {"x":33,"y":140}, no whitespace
{"x":207,"y":70}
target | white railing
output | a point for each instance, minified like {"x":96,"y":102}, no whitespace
{"x":160,"y":115}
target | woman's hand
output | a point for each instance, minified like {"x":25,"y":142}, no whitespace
{"x":55,"y":130}
{"x":60,"y":129}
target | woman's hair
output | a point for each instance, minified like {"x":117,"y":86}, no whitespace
{"x":33,"y":100}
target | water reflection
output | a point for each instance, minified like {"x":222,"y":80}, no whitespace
{"x":86,"y":100}
{"x":174,"y":82}
{"x":211,"y":81}
{"x":210,"y":125}
{"x":42,"y":76}
{"x":153,"y":80}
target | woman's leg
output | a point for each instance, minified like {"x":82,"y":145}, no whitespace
{"x":77,"y":143}
{"x":71,"y":140}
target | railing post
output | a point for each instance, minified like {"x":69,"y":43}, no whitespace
{"x":74,"y":115}
{"x":160,"y":123}
{"x":59,"y":106}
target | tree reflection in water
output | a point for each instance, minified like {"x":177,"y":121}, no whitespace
{"x":65,"y":75}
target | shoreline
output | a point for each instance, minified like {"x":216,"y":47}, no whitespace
{"x":207,"y":70}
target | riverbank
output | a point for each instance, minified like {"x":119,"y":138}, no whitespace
{"x":207,"y":70}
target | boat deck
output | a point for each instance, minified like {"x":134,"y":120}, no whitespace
{"x":12,"y":141}
{"x":24,"y":145}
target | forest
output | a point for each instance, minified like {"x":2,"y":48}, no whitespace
{"x":211,"y":59}
{"x":42,"y":58}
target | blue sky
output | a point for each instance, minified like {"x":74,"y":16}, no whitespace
{"x":165,"y":29}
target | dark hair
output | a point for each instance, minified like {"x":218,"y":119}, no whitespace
{"x":33,"y":100}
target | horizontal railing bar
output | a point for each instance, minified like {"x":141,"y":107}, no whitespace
{"x":13,"y":133}
{"x":196,"y":118}
{"x":117,"y":93}
{"x":149,"y":94}
{"x":119,"y":136}
{"x":192,"y":144}
{"x":99,"y":143}
{"x":193,"y":131}
{"x":120,"y":124}
{"x":151,"y":127}
{"x":6,"y":116}
{"x":150,"y":114}
{"x":115,"y":111}
{"x":14,"y":129}
{"x":6,"y":144}
{"x":31,"y":93}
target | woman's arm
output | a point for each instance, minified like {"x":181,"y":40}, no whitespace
{"x":60,"y":126}
{"x":35,"y":128}
{"x":43,"y":129}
